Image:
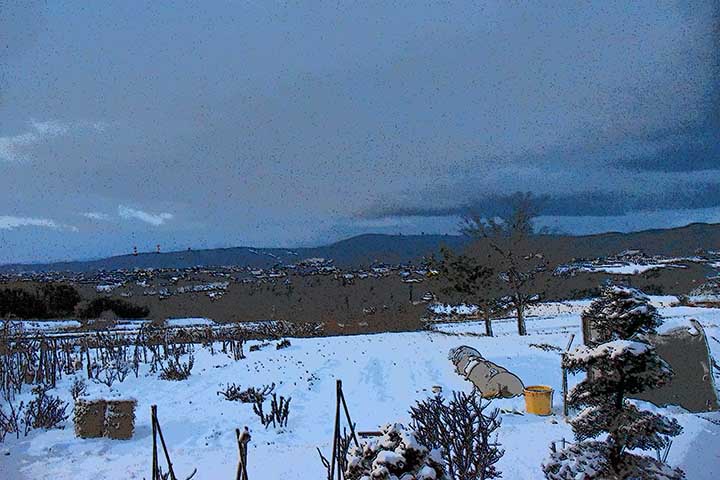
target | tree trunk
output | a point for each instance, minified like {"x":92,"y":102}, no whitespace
{"x":616,"y":442}
{"x":488,"y":324}
{"x":520,"y":306}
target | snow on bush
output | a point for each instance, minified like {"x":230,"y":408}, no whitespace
{"x":624,"y":364}
{"x":620,"y":313}
{"x":590,"y":460}
{"x":397,"y":455}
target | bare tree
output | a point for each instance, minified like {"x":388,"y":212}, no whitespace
{"x":511,"y":249}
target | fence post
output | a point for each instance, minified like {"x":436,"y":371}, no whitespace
{"x":336,"y":433}
{"x":87,"y":358}
{"x":153,"y":411}
{"x":564,"y":377}
{"x":242,"y":440}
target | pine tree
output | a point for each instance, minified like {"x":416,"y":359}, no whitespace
{"x":470,"y":278}
{"x":618,"y":362}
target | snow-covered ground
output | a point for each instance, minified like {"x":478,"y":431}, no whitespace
{"x":626,"y":269}
{"x":383,"y":375}
{"x":445,"y":309}
{"x":48,"y":326}
{"x":621,"y":267}
{"x":189,"y":322}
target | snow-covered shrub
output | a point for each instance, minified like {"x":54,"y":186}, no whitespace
{"x":235,"y":393}
{"x":397,"y":455}
{"x":624,"y":364}
{"x":78,"y":389}
{"x":44,"y":411}
{"x":10,"y":421}
{"x":591,"y":460}
{"x":177,"y":370}
{"x":279,"y":411}
{"x":279,"y":329}
{"x":464,"y":434}
{"x":114,"y":370}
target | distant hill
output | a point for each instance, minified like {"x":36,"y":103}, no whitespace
{"x":680,"y":241}
{"x":364,"y":250}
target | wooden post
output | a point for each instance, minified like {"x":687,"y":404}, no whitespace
{"x":153,"y":411}
{"x":347,"y":415}
{"x":167,"y":455}
{"x":564,"y":377}
{"x":55,"y":363}
{"x":158,"y":430}
{"x":241,"y":464}
{"x":336,"y":434}
{"x":242,"y":441}
{"x":87,"y":356}
{"x":336,"y":451}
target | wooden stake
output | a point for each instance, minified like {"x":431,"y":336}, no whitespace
{"x":157,"y":431}
{"x":347,"y":415}
{"x":564,"y":377}
{"x":167,"y":455}
{"x":336,"y":434}
{"x":87,"y":356}
{"x":242,"y":441}
{"x":153,"y":412}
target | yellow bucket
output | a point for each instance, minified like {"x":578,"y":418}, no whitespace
{"x":538,"y":399}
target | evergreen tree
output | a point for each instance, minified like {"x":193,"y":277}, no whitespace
{"x":618,"y":361}
{"x":471,"y":279}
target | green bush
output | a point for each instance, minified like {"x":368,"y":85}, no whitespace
{"x":121,"y":308}
{"x":47,"y":301}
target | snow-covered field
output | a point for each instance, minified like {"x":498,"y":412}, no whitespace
{"x":627,"y":269}
{"x":46,"y":326}
{"x":383,"y":375}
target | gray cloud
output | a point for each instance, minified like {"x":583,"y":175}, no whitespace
{"x":155,"y":219}
{"x":11,"y":223}
{"x":286,"y":124}
{"x":96,"y":216}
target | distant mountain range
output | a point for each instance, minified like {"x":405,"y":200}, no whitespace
{"x":357,"y":251}
{"x":365,"y":250}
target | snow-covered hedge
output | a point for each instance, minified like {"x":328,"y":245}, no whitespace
{"x":590,"y":460}
{"x":396,"y":455}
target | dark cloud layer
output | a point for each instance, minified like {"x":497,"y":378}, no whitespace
{"x":612,"y":180}
{"x":224,"y":123}
{"x":584,"y":204}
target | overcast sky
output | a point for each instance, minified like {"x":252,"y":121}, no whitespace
{"x":207,"y":124}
